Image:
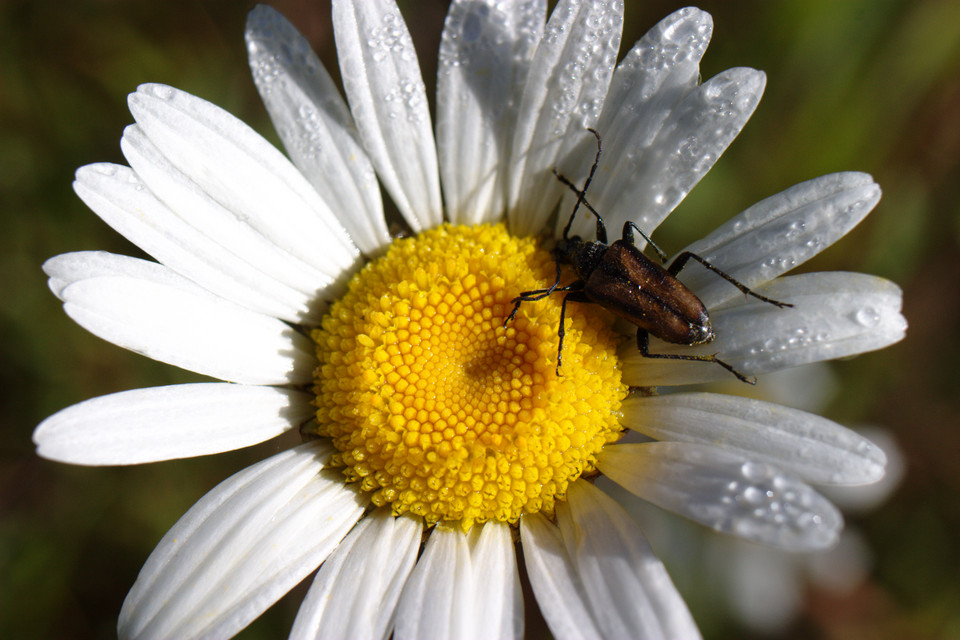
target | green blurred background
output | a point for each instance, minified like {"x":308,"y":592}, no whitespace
{"x":871,"y":85}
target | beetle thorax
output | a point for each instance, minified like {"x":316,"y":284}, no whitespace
{"x":583,"y":255}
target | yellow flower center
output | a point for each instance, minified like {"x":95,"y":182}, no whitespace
{"x":436,"y":408}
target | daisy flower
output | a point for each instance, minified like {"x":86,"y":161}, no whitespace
{"x":438,"y":440}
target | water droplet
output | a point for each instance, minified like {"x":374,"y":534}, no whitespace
{"x":794,"y":229}
{"x":161,"y":91}
{"x":867,"y":317}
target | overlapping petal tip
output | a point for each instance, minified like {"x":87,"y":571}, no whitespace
{"x":381,"y":77}
{"x":240,"y":548}
{"x":726,"y":492}
{"x":120,"y":198}
{"x":148,"y":309}
{"x":204,"y":216}
{"x":315,"y":126}
{"x":355,"y":593}
{"x":166,"y":423}
{"x":485,"y":53}
{"x":812,"y":448}
{"x":67,"y":268}
{"x":238,"y":168}
{"x":595,"y":576}
{"x":835,"y":315}
{"x":564,"y":94}
{"x":462,"y":584}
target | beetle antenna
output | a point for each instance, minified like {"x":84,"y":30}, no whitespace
{"x":582,"y":193}
{"x":586,"y":203}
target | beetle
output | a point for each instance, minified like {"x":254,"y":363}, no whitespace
{"x":621,"y":279}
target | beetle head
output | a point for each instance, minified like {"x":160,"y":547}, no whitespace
{"x":567,"y":248}
{"x":702,"y":333}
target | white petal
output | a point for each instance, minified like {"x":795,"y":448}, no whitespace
{"x":67,"y":268}
{"x":188,"y":201}
{"x":813,"y":448}
{"x":485,"y":54}
{"x":246,"y":174}
{"x":190,"y":330}
{"x":435,"y":591}
{"x":835,"y":315}
{"x":726,"y":492}
{"x":164,"y":423}
{"x":381,"y":76}
{"x":780,"y":233}
{"x":655,"y":175}
{"x":556,"y":584}
{"x":116,"y":194}
{"x":660,"y":69}
{"x":497,"y":598}
{"x":628,"y":588}
{"x":315,"y":126}
{"x":463,"y":585}
{"x":240,"y":548}
{"x":564,"y":95}
{"x":866,"y":498}
{"x":356,"y":590}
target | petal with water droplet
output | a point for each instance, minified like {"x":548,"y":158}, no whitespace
{"x":813,"y":448}
{"x":725,"y":492}
{"x":660,"y":69}
{"x":780,"y":233}
{"x":485,"y":53}
{"x":566,"y":87}
{"x":315,"y":125}
{"x":655,"y":175}
{"x":381,"y":77}
{"x":835,"y":315}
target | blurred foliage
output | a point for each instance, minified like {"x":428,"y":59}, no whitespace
{"x":871,"y":85}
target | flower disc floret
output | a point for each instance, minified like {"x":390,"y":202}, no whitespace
{"x":439,"y":410}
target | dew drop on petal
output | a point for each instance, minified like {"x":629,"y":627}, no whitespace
{"x":162,"y":92}
{"x":867,"y":317}
{"x":766,"y":505}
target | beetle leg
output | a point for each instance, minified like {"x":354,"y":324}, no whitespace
{"x":576,"y":296}
{"x":684,"y":257}
{"x":628,"y":228}
{"x":533,"y":296}
{"x":643,"y":344}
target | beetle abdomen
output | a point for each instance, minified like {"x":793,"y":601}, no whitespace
{"x":642,"y":292}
